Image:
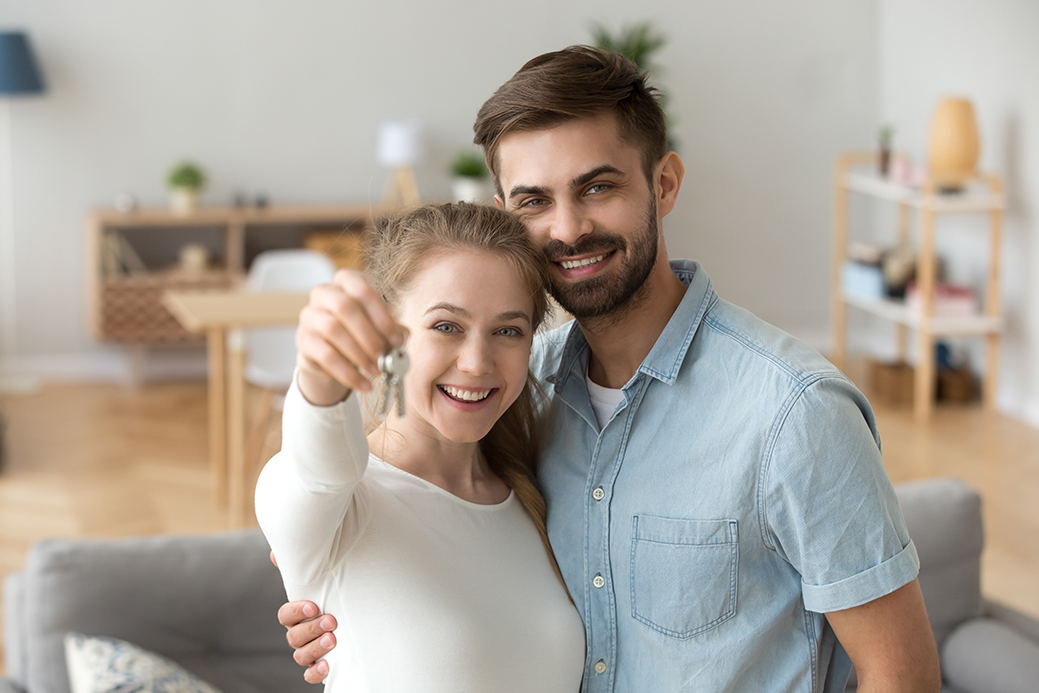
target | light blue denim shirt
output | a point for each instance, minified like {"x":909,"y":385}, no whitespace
{"x":736,"y":495}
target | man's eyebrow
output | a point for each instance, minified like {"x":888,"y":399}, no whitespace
{"x":457,"y":310}
{"x":527,"y":190}
{"x":577,"y":182}
{"x":593,"y":174}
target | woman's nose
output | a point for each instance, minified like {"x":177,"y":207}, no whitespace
{"x":475,"y":357}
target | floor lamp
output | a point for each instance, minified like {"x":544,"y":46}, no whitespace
{"x":19,"y":75}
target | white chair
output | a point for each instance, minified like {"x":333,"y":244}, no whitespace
{"x":271,"y":352}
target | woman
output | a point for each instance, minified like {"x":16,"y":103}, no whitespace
{"x":425,"y":538}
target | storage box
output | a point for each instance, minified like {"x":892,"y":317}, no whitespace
{"x":891,"y":383}
{"x":957,"y":385}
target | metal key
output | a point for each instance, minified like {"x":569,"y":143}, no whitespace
{"x":393,"y":364}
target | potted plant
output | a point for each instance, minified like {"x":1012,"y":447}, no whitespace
{"x":185,"y":181}
{"x":469,"y":178}
{"x":638,"y":43}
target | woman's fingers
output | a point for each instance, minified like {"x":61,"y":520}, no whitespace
{"x":323,"y":340}
{"x":356,"y":286}
{"x":343,"y":330}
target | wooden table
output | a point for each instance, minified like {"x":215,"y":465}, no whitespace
{"x":223,"y":315}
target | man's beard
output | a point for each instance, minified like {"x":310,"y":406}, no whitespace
{"x":614,"y":292}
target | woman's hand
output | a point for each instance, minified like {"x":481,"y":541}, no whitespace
{"x":342,"y":331}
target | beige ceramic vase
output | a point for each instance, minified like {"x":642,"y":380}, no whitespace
{"x":954,"y":143}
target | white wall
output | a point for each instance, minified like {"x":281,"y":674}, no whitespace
{"x":988,"y":51}
{"x":285,"y":97}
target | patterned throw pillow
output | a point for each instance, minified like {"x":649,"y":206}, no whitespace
{"x":108,"y":665}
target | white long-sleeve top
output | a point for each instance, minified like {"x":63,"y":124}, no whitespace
{"x":431,"y":592}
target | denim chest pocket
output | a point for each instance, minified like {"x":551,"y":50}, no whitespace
{"x":683,"y":573}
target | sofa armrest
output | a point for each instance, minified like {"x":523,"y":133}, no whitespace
{"x":985,"y":655}
{"x":1024,"y":624}
{"x":14,"y":628}
{"x":180,"y":596}
{"x":9,"y":686}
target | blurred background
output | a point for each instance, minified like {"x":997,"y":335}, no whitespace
{"x":280,"y":106}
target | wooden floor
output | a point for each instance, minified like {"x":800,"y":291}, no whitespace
{"x":104,"y":461}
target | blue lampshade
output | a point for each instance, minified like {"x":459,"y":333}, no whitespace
{"x":18,"y":71}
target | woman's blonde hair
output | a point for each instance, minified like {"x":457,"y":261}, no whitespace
{"x":401,"y":247}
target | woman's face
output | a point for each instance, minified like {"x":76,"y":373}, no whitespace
{"x":470,"y":316}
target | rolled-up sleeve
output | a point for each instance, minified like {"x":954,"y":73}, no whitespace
{"x":828,"y":505}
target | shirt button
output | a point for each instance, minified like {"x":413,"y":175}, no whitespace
{"x":600,"y":667}
{"x":598,"y":581}
{"x":598,"y":493}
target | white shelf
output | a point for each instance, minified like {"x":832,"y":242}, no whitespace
{"x":898,"y":312}
{"x":971,"y":201}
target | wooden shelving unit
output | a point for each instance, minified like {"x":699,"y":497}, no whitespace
{"x":984,"y":196}
{"x":124,"y":304}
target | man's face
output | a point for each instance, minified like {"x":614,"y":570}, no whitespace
{"x":583,"y":195}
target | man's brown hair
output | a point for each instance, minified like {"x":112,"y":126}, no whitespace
{"x":576,"y":82}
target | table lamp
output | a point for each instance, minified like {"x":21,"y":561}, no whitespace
{"x":19,"y":75}
{"x":400,"y":148}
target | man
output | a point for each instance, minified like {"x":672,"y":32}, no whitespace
{"x":717,"y":499}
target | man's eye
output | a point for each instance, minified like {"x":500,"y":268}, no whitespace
{"x":535,"y":202}
{"x":598,"y":188}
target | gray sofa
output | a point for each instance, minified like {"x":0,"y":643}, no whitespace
{"x":209,"y":603}
{"x":984,"y":647}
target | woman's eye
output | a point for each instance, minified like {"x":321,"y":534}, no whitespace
{"x":510,"y":332}
{"x":445,"y":328}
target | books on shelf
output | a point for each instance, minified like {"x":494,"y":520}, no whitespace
{"x":950,"y":301}
{"x":862,"y":280}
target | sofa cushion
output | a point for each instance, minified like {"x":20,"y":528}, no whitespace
{"x":986,"y":655}
{"x":110,"y":665}
{"x":944,"y":519}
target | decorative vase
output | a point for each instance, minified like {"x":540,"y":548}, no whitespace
{"x":469,"y":189}
{"x":954,"y":145}
{"x":183,"y":201}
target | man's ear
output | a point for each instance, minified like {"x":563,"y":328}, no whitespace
{"x":497,"y":201}
{"x":667,"y":181}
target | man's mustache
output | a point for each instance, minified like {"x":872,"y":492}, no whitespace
{"x":604,"y":241}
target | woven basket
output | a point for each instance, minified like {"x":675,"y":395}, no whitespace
{"x":132,"y":311}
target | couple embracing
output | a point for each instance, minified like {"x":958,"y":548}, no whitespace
{"x":666,"y":494}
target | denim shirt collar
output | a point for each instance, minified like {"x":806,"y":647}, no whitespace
{"x":665,"y":358}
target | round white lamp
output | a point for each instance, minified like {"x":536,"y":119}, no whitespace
{"x":400,"y":148}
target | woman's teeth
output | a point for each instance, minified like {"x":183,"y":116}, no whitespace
{"x":465,"y":395}
{"x":574,"y":264}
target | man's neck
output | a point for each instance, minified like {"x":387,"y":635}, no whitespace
{"x":621,"y":342}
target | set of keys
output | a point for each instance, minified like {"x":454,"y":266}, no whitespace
{"x":393,"y":364}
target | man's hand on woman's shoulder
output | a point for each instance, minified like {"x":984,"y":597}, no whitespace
{"x":309,"y":633}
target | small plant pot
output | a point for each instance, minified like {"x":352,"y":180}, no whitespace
{"x":467,"y":189}
{"x":183,"y":201}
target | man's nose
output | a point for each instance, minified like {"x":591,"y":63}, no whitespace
{"x":570,"y":224}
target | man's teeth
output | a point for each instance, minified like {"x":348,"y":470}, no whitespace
{"x":465,"y":395}
{"x":574,"y":264}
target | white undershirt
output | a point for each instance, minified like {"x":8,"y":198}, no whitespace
{"x":605,"y":400}
{"x":432,"y":593}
